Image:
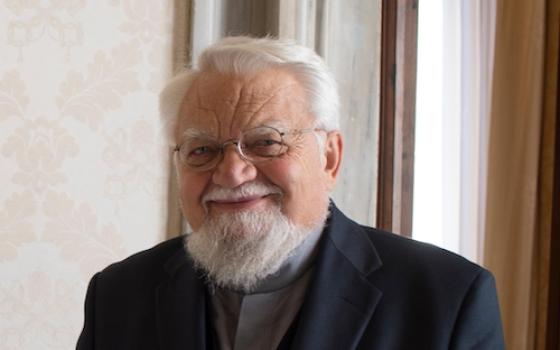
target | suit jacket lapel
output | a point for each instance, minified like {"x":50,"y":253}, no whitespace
{"x":181,"y":307}
{"x":340,"y":301}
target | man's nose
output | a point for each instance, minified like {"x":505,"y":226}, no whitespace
{"x":233,"y":170}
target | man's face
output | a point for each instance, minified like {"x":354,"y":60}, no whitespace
{"x":222,"y":106}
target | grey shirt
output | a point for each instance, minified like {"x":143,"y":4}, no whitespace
{"x":261,"y":319}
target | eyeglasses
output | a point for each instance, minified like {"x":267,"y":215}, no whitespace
{"x":201,"y":153}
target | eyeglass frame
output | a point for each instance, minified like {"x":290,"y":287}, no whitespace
{"x":237,"y":143}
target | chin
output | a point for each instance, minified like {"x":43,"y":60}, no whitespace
{"x":238,"y":249}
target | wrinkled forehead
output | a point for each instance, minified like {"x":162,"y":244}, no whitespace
{"x":224,"y":104}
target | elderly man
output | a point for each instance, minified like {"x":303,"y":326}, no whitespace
{"x":271,"y":263}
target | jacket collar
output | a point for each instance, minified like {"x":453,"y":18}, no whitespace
{"x":341,"y":300}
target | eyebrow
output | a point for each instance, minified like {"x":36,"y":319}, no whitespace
{"x":275,"y":123}
{"x":193,"y":133}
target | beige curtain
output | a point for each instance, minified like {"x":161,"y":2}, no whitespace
{"x":520,"y":158}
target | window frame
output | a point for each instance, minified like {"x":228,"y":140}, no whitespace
{"x":397,"y":114}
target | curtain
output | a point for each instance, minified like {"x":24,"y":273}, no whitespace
{"x":478,"y":20}
{"x":519,"y":195}
{"x":454,"y":81}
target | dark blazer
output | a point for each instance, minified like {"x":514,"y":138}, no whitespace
{"x":370,"y":290}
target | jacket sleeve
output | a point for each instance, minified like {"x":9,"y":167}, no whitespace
{"x":86,"y":339}
{"x":478,"y":324}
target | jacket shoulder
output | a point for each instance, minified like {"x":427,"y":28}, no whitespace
{"x":147,"y":266}
{"x":443,"y":293}
{"x":410,"y":263}
{"x":392,"y":247}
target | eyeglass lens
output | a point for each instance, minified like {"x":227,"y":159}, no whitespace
{"x":254,"y":145}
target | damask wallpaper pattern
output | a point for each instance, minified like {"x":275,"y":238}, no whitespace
{"x":83,"y":159}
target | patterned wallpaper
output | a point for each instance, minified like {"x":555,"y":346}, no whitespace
{"x":83,"y":161}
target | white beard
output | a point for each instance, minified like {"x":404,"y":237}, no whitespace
{"x":236,"y":250}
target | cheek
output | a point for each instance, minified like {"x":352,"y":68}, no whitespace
{"x":191,"y":190}
{"x":304,"y":192}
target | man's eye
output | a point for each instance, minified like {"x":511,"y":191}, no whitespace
{"x":200,"y":151}
{"x":265,"y":143}
{"x":200,"y":155}
{"x":263,"y":148}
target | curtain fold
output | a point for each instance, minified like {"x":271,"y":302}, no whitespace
{"x":519,"y":196}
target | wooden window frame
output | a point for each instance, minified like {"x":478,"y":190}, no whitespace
{"x":397,"y":115}
{"x":553,"y":313}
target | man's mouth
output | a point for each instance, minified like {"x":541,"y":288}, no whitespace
{"x":238,"y":200}
{"x":249,"y":196}
{"x":237,"y":203}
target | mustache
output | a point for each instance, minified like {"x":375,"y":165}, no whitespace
{"x":249,"y":189}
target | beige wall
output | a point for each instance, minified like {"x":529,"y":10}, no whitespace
{"x":82,"y":160}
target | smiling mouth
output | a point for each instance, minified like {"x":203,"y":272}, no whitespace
{"x":246,"y":202}
{"x":237,"y":200}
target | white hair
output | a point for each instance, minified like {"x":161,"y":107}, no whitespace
{"x":245,"y":55}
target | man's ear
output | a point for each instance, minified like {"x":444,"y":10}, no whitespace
{"x":333,"y":157}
